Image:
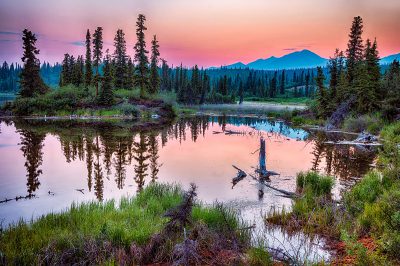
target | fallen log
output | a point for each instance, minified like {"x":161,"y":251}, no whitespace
{"x":355,"y":143}
{"x":284,"y":192}
{"x":18,"y":198}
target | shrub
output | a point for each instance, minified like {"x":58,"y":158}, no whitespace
{"x":371,"y":123}
{"x":389,"y":157}
{"x":316,"y":184}
{"x":128,"y":109}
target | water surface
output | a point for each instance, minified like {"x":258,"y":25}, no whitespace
{"x":55,"y":163}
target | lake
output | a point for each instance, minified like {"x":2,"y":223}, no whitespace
{"x":50,"y":164}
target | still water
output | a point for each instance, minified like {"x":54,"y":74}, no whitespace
{"x":55,"y":163}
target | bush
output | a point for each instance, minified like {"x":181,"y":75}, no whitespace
{"x":389,"y":157}
{"x":316,"y":184}
{"x":366,"y":191}
{"x":371,"y":123}
{"x":128,"y":109}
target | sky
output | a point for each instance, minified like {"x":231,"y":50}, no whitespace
{"x":206,"y":32}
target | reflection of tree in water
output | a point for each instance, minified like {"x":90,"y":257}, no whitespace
{"x":141,"y":156}
{"x":98,"y":172}
{"x":343,"y":161}
{"x":108,"y":147}
{"x":32,"y":145}
{"x":121,"y":159}
{"x":89,"y":160}
{"x":153,"y":153}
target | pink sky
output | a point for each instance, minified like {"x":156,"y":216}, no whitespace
{"x":206,"y":32}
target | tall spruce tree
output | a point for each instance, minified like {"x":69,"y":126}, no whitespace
{"x":66,"y":71}
{"x":106,"y":95}
{"x":142,"y":69}
{"x":322,"y":97}
{"x":373,"y":69}
{"x":31,"y":83}
{"x":282,"y":85}
{"x":120,"y":59}
{"x":154,"y":76}
{"x":88,"y":60}
{"x":355,"y":48}
{"x":97,"y":54}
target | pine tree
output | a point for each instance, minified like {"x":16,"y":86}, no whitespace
{"x":88,"y":61}
{"x":273,"y":86}
{"x":31,"y":83}
{"x":335,"y":66}
{"x":142,"y":69}
{"x":165,"y":78}
{"x":77,"y":76}
{"x":363,"y":89}
{"x":373,"y":69}
{"x":282,"y":85}
{"x":106,"y":95}
{"x":322,"y":97}
{"x":154,"y":76}
{"x":241,"y":92}
{"x":355,"y":48}
{"x":120,"y":59}
{"x":65,"y":77}
{"x":97,"y":54}
{"x":130,"y":71}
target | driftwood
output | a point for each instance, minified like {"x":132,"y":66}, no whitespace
{"x":18,"y":198}
{"x":231,"y":132}
{"x":80,"y":190}
{"x":347,"y":142}
{"x":284,"y":192}
{"x":340,"y":114}
{"x":239,"y":177}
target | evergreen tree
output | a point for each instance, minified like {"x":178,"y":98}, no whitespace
{"x":373,"y":69}
{"x":77,"y":76}
{"x":282,"y":85}
{"x":142,"y":69}
{"x":165,"y":76}
{"x":322,"y":97}
{"x":88,"y":61}
{"x":355,"y":48}
{"x":97,"y":54}
{"x":273,"y":86}
{"x":120,"y":59}
{"x":241,"y":92}
{"x":335,"y":67}
{"x":31,"y":83}
{"x":391,"y":83}
{"x":154,"y":76}
{"x":128,"y":81}
{"x":65,"y":77}
{"x":106,"y":95}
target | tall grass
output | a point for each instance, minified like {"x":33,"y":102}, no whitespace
{"x":101,"y":231}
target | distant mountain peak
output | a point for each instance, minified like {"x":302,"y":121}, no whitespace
{"x":295,"y":60}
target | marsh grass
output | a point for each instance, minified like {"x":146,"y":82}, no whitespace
{"x":96,"y":232}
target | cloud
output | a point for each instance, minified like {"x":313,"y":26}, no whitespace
{"x":7,"y":40}
{"x":289,"y":49}
{"x":10,"y":33}
{"x":77,"y":43}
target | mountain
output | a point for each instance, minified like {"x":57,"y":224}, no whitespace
{"x":301,"y":59}
{"x":389,"y":59}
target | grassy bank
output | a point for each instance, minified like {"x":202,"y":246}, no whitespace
{"x":79,"y":101}
{"x":149,"y":228}
{"x":364,"y":227}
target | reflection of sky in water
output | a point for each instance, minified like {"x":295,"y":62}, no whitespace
{"x":267,"y":126}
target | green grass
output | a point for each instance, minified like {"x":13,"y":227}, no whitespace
{"x":131,"y":221}
{"x":372,"y":123}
